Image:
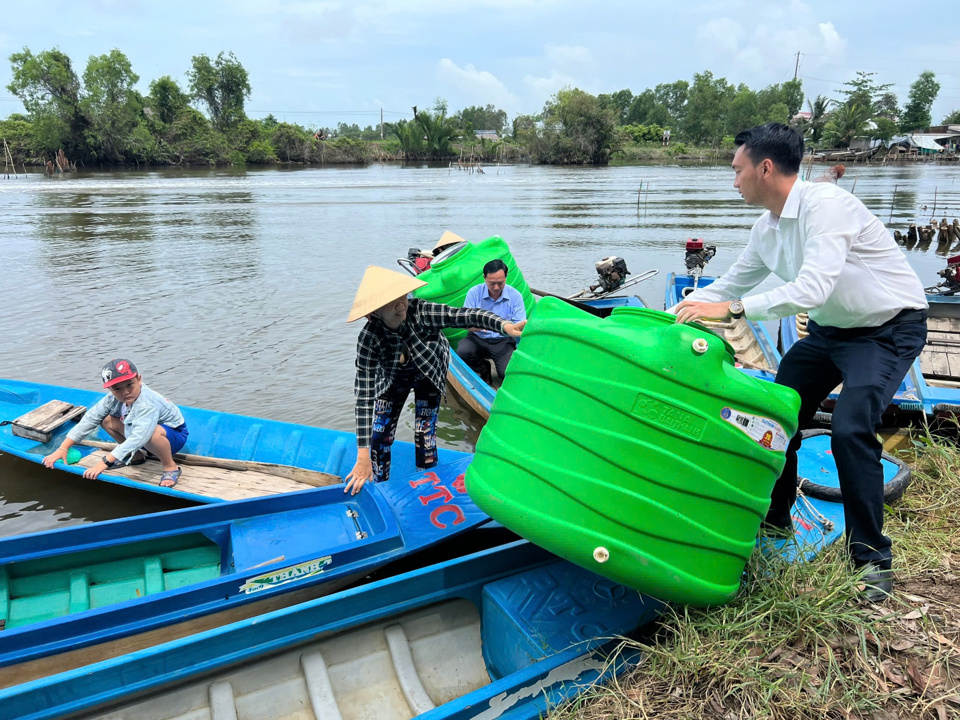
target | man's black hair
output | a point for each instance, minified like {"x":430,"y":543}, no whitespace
{"x":495,"y":266}
{"x":781,"y":144}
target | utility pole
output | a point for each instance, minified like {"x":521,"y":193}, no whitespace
{"x":381,"y":123}
{"x":796,"y":68}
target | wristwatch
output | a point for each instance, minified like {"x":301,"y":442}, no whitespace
{"x":108,"y":463}
{"x":736,"y":309}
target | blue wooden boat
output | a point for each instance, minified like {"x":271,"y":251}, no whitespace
{"x":909,"y":398}
{"x":478,"y":394}
{"x":280,"y":449}
{"x":504,"y":633}
{"x":755,"y":352}
{"x":936,"y":373}
{"x":91,"y":591}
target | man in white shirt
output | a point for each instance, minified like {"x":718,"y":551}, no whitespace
{"x":867,"y":324}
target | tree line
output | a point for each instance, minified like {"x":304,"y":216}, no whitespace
{"x":98,"y":117}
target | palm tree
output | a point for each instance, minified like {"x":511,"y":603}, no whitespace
{"x":846,"y":123}
{"x":410,"y":135}
{"x":818,"y":116}
{"x":439,"y":131}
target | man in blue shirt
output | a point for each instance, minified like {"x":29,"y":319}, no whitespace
{"x":501,"y":299}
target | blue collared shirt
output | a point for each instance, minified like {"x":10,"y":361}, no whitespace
{"x":509,"y":305}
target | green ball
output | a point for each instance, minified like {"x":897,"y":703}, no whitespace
{"x":73,"y":456}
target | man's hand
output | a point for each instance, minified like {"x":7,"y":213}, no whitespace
{"x":51,"y":459}
{"x":514,"y":329}
{"x":690,"y":310}
{"x":361,"y":473}
{"x":91,"y":473}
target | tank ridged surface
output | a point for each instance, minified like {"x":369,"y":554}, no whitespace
{"x":449,"y":280}
{"x":632,"y":446}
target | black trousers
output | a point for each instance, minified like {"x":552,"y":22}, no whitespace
{"x":475,"y":350}
{"x":871,"y":363}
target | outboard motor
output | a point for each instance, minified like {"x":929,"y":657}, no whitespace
{"x":417,"y":260}
{"x":951,"y":281}
{"x":697,"y":257}
{"x":612,"y":274}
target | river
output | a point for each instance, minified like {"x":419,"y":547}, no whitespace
{"x":230,"y":288}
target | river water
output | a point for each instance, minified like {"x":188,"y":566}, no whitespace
{"x":230,"y":288}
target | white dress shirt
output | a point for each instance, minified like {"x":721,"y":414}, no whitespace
{"x":839,"y":262}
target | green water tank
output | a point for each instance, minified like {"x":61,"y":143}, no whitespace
{"x":456,"y":270}
{"x":632,"y":446}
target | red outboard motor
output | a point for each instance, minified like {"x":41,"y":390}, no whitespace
{"x":951,"y":281}
{"x":416,"y":261}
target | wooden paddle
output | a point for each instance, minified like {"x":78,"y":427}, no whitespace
{"x":308,"y":477}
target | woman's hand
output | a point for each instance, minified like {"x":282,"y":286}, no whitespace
{"x":362,"y":471}
{"x":514,"y":329}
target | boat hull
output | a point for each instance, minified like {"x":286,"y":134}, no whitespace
{"x":214,"y":434}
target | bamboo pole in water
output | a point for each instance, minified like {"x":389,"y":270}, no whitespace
{"x":891,"y":204}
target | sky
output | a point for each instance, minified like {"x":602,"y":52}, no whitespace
{"x":320,"y":63}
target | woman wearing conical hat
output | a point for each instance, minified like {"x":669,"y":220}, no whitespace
{"x":402,"y":348}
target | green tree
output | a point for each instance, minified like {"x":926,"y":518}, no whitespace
{"x":619,"y":102}
{"x":779,"y":113}
{"x":482,"y":118}
{"x":886,"y":128}
{"x":439,"y":131}
{"x":846,"y":123}
{"x":646,"y":110}
{"x":50,"y":91}
{"x":888,"y":106}
{"x":113,"y":107}
{"x":410,"y":135}
{"x":744,"y":110}
{"x":222,"y":85}
{"x":166,"y":100}
{"x":789,"y":94}
{"x":953,"y":118}
{"x":864,"y":92}
{"x":916,"y":113}
{"x":706,"y":111}
{"x":819,"y":111}
{"x":578,"y":129}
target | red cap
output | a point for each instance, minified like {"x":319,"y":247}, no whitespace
{"x":116,"y":371}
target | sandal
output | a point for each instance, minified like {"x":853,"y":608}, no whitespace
{"x":139,"y":458}
{"x":171,"y":476}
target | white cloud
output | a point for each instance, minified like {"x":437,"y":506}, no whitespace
{"x":723,"y":34}
{"x":475,"y":86}
{"x":569,"y":54}
{"x":542,"y":88}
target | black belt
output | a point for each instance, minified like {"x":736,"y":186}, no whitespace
{"x":907,"y":315}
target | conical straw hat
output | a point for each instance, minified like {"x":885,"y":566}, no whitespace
{"x":448,"y":238}
{"x":379,"y":287}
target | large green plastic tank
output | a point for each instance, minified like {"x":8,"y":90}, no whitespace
{"x":632,"y":446}
{"x":455,"y":271}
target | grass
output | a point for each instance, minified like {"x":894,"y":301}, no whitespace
{"x":797,"y":643}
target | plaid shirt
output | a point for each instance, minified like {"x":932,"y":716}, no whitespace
{"x":379,"y":350}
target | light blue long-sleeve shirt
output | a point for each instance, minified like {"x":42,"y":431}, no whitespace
{"x":509,"y":305}
{"x":139,"y":421}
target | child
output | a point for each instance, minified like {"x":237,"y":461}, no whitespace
{"x":139,"y":419}
{"x":400,"y":349}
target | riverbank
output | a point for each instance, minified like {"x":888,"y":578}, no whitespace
{"x":797,"y":644}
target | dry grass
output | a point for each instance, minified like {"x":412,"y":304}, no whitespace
{"x":797,"y":643}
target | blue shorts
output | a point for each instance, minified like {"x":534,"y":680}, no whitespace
{"x":177,"y":437}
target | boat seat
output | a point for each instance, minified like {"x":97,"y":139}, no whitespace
{"x":4,"y":596}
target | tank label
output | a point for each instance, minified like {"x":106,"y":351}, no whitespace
{"x":763,"y":430}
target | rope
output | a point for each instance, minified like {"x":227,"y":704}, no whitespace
{"x":818,"y":517}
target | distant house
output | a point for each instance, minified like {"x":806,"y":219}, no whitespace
{"x":943,"y":136}
{"x":490,"y":135}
